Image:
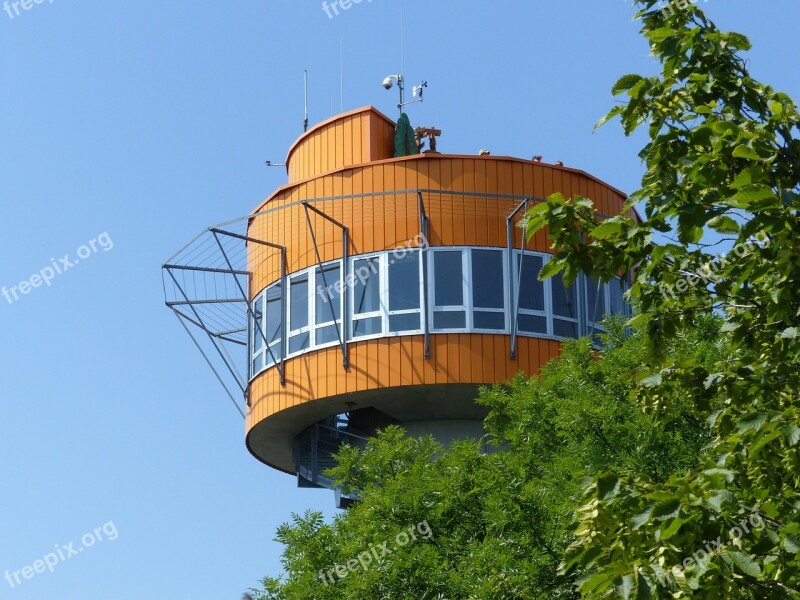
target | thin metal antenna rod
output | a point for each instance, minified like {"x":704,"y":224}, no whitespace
{"x":341,"y":74}
{"x":402,"y":43}
{"x":305,"y":81}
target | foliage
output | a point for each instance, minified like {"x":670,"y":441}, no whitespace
{"x":722,"y":157}
{"x":499,"y":519}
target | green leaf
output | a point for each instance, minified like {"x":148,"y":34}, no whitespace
{"x":672,"y":528}
{"x":667,"y":508}
{"x":625,"y":83}
{"x":641,"y":519}
{"x":608,"y":486}
{"x":746,"y":152}
{"x":551,"y":267}
{"x":651,"y":381}
{"x":745,"y":564}
{"x":624,"y":586}
{"x":791,"y":543}
{"x":616,"y":111}
{"x":749,"y":176}
{"x":791,"y":435}
{"x":724,"y":224}
{"x":643,"y":591}
{"x":752,"y":422}
{"x":659,"y":35}
{"x":750,"y":194}
{"x":606,"y":229}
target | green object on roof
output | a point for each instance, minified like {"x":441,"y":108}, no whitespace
{"x":405,"y":144}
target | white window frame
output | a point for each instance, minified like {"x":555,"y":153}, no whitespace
{"x":465,"y":292}
{"x":385,"y":291}
{"x":318,"y":283}
{"x":262,"y":353}
{"x":347,"y":318}
{"x":467,"y":288}
{"x":506,"y":310}
{"x":590,"y":323}
{"x":553,"y":317}
{"x":309,"y":313}
{"x":547,"y":313}
{"x":381,"y":312}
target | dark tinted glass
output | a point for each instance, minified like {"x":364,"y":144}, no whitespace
{"x":367,"y":289}
{"x":565,"y":299}
{"x":299,"y":306}
{"x":487,"y":279}
{"x":404,"y":282}
{"x":448,"y":278}
{"x":328,"y":300}
{"x":531,"y":290}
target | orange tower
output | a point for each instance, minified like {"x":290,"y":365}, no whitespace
{"x":373,"y":290}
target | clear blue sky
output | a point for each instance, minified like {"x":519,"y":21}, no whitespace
{"x":152,"y":120}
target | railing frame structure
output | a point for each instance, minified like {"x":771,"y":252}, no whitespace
{"x":208,"y":256}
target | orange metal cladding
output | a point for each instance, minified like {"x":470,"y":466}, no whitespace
{"x":351,"y":154}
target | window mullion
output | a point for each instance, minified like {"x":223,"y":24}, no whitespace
{"x":467,"y":284}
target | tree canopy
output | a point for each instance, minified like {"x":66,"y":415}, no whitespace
{"x":499,"y":520}
{"x":722,"y":157}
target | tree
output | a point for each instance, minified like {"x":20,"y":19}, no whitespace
{"x":723,"y":157}
{"x":493,"y":525}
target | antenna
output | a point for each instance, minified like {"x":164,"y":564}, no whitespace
{"x":402,"y":42}
{"x":305,"y":80}
{"x":388,"y":83}
{"x":341,"y":74}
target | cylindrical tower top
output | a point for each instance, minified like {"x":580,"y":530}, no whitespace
{"x":357,"y":137}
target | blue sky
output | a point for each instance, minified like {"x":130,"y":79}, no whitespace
{"x":149,"y":121}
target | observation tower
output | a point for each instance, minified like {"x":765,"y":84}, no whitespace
{"x":375,"y":289}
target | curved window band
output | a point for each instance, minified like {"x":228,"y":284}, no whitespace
{"x":468,"y":293}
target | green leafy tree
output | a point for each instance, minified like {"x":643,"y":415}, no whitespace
{"x":498,"y":520}
{"x":723,"y":156}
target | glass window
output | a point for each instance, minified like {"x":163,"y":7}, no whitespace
{"x":488,"y":291}
{"x":565,"y":308}
{"x":530,"y":294}
{"x":258,"y":311}
{"x":532,"y":324}
{"x":272,"y":325}
{"x":367,"y":288}
{"x":448,"y":278}
{"x":487,"y":279}
{"x":299,"y":334}
{"x":328,"y":304}
{"x":273,"y":314}
{"x":404,"y":292}
{"x":496,"y":321}
{"x":616,"y":289}
{"x":328,"y":294}
{"x":370,"y":326}
{"x":595,"y":300}
{"x":449,"y":320}
{"x":565,"y":299}
{"x":531,"y":290}
{"x":367,"y":319}
{"x":566,"y":329}
{"x":258,"y":365}
{"x":404,"y":282}
{"x":449,"y":311}
{"x":404,"y":322}
{"x":299,"y":306}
